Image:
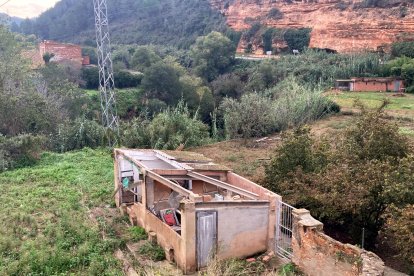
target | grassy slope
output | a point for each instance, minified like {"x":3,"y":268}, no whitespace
{"x":46,"y":227}
{"x":400,"y":105}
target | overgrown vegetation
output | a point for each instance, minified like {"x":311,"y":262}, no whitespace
{"x":233,"y":267}
{"x":282,"y":106}
{"x":348,"y":181}
{"x":152,"y":251}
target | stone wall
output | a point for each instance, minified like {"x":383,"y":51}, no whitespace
{"x":318,"y":254}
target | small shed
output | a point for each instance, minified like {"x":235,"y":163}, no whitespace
{"x":389,"y":84}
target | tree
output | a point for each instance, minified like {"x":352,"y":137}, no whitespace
{"x":143,"y":58}
{"x":162,"y":81}
{"x":212,"y":55}
{"x":297,"y":39}
{"x":227,"y":85}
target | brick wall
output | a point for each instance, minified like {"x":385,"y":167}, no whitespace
{"x":62,"y":52}
{"x":318,"y":254}
{"x":372,"y":85}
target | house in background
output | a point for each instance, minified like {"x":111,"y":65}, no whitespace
{"x":371,"y":84}
{"x":62,"y":53}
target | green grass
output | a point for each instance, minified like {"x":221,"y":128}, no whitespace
{"x":137,"y":233}
{"x":152,"y":251}
{"x":407,"y":131}
{"x":374,"y":99}
{"x":46,"y":228}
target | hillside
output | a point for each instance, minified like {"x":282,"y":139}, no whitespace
{"x":10,"y":20}
{"x":168,"y":22}
{"x":340,"y":25}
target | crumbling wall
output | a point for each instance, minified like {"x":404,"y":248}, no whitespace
{"x":318,"y":254}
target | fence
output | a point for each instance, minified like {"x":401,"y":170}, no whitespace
{"x":284,"y":225}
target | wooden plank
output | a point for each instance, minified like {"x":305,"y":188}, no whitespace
{"x":224,"y":185}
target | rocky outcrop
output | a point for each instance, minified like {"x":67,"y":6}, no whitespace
{"x":341,"y":25}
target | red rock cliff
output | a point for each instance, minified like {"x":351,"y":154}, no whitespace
{"x":337,"y":25}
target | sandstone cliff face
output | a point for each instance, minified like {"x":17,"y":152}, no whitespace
{"x":337,"y":25}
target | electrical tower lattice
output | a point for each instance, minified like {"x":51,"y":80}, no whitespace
{"x":106,"y":73}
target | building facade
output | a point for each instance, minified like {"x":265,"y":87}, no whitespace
{"x":371,"y":85}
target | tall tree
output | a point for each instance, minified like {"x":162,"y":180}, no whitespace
{"x":212,"y":55}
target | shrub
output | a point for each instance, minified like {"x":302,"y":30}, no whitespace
{"x":126,"y":79}
{"x":137,"y":233}
{"x":252,"y":31}
{"x":175,"y":127}
{"x":135,"y":133}
{"x":405,"y":48}
{"x":400,"y":228}
{"x":341,"y":5}
{"x":90,"y":75}
{"x":296,"y":104}
{"x":296,"y":151}
{"x":252,"y":116}
{"x":77,"y":135}
{"x":372,"y":137}
{"x":297,"y":39}
{"x":275,"y":14}
{"x":19,"y":151}
{"x":228,"y":85}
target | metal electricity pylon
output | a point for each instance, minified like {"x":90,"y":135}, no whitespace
{"x":106,"y":73}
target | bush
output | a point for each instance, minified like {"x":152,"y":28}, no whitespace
{"x":126,"y":79}
{"x":90,"y":75}
{"x":137,"y":233}
{"x":399,"y":49}
{"x":400,"y":228}
{"x":297,"y":39}
{"x":19,"y":151}
{"x":275,"y":14}
{"x":252,"y":116}
{"x":296,"y":104}
{"x":296,"y":151}
{"x":228,"y":85}
{"x":135,"y":133}
{"x":176,"y":127}
{"x":77,"y":135}
{"x":152,"y":251}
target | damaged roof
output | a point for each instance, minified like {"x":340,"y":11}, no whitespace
{"x":168,"y":159}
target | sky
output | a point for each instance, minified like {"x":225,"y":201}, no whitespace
{"x":26,"y":8}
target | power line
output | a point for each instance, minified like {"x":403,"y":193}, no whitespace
{"x":5,"y":3}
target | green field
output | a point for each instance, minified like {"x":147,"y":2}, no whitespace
{"x":375,"y":99}
{"x":46,"y":227}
